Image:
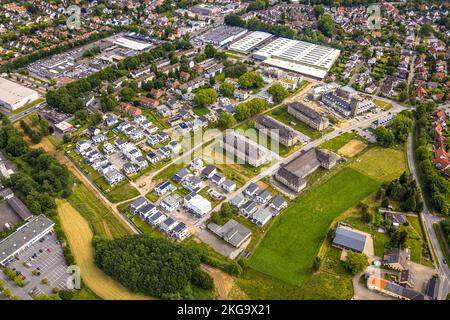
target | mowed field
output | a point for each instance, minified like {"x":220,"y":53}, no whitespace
{"x":381,"y":164}
{"x":79,"y":236}
{"x":288,"y":250}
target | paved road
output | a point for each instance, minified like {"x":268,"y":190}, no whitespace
{"x":23,"y":114}
{"x":428,"y":218}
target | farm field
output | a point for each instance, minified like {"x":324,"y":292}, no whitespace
{"x":288,"y":250}
{"x":79,"y":236}
{"x":381,"y":164}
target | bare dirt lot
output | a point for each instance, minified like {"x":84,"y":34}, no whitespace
{"x":80,"y":236}
{"x":352,"y":148}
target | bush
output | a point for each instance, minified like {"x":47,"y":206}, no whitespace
{"x":201,"y":279}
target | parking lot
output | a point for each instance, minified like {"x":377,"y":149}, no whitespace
{"x":46,"y":260}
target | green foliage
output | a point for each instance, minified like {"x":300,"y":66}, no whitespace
{"x":35,"y":137}
{"x":108,"y":102}
{"x":226,"y":120}
{"x":156,"y":267}
{"x":445,"y":225}
{"x":325,"y":25}
{"x":251,"y":80}
{"x":399,"y":238}
{"x":250,"y":108}
{"x":278,"y":92}
{"x":405,"y":191}
{"x":356,"y":262}
{"x":227,"y":89}
{"x":205,"y":97}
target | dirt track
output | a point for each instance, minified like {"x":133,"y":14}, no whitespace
{"x":222,"y":281}
{"x":352,"y":148}
{"x":79,"y":236}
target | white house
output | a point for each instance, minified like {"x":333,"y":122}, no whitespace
{"x":196,"y":204}
{"x":196,"y":164}
{"x":229,"y":185}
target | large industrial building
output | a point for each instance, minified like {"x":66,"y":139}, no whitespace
{"x":24,"y":237}
{"x":223,"y":35}
{"x":132,"y":44}
{"x":250,"y":41}
{"x":298,"y":56}
{"x":14,"y":96}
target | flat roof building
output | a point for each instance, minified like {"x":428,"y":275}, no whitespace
{"x":250,"y":41}
{"x":302,"y":57}
{"x":223,"y":35}
{"x":131,"y":44}
{"x":24,"y":237}
{"x":14,"y":96}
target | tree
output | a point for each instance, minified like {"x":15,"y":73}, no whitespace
{"x":226,"y":120}
{"x":108,"y":102}
{"x":318,"y":11}
{"x":316,"y":264}
{"x":234,"y":20}
{"x":205,"y":97}
{"x":127,"y":94}
{"x":325,"y":25}
{"x":401,"y":125}
{"x":399,"y":238}
{"x":385,"y":138}
{"x":210,"y":51}
{"x":426,"y":30}
{"x":278,"y":92}
{"x":251,"y":80}
{"x":356,"y":262}
{"x":227,"y":89}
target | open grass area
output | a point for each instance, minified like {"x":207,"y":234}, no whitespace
{"x":288,"y":250}
{"x":282,"y":115}
{"x":101,"y":219}
{"x":338,"y":142}
{"x":381,"y":164}
{"x":201,"y":111}
{"x":122,"y":193}
{"x":383,"y":104}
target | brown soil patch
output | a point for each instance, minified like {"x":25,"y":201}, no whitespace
{"x":79,"y":236}
{"x":352,"y":148}
{"x":222,"y":281}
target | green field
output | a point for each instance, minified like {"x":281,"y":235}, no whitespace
{"x":336,"y":143}
{"x":122,"y":193}
{"x":101,"y":219}
{"x":201,"y":111}
{"x":381,"y":164}
{"x":288,"y":250}
{"x":282,"y":115}
{"x":382,"y":104}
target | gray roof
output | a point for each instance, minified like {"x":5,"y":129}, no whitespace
{"x":23,"y":235}
{"x":179,"y":227}
{"x":252,"y":187}
{"x":19,"y":208}
{"x":146,"y":209}
{"x":284,"y":131}
{"x":277,"y":201}
{"x":232,"y":232}
{"x":311,"y":114}
{"x":139,"y":202}
{"x":264,"y":194}
{"x":229,"y":183}
{"x":349,"y":239}
{"x":432,"y":289}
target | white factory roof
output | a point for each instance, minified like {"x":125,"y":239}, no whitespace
{"x":131,"y":44}
{"x":11,"y":92}
{"x":299,"y":56}
{"x":250,"y":41}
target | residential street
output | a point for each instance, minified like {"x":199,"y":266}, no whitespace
{"x":427,"y":218}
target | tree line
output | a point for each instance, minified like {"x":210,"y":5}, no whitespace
{"x":156,"y":267}
{"x":436,"y":185}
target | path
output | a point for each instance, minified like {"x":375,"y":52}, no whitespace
{"x":79,"y":236}
{"x":222,"y":281}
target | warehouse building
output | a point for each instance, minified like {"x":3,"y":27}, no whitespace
{"x":298,"y":56}
{"x":14,"y":96}
{"x":223,"y":35}
{"x":131,"y":44}
{"x":24,"y":237}
{"x":245,"y":149}
{"x":250,"y":41}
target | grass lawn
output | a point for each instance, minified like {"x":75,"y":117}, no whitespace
{"x":288,"y":250}
{"x":382,"y":104}
{"x":122,"y":193}
{"x":100,"y":218}
{"x":336,"y":143}
{"x":201,"y":111}
{"x":381,"y":164}
{"x":168,"y":172}
{"x":441,"y":240}
{"x":282,"y":115}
